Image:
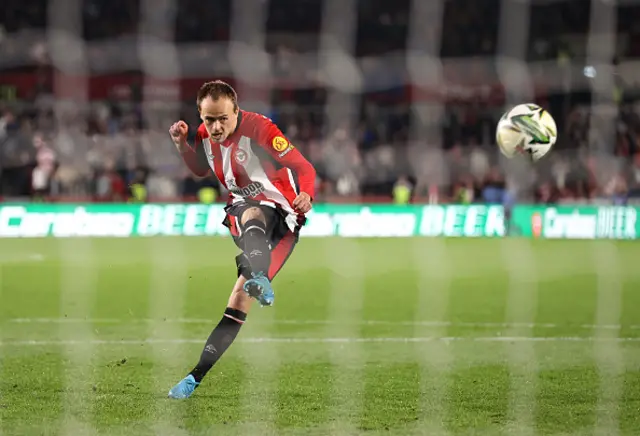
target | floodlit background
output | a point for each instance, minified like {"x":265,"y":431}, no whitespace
{"x":394,"y":102}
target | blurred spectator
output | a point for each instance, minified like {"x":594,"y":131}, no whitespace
{"x":464,"y":191}
{"x":138,"y":185}
{"x":7,"y":123}
{"x":45,"y":166}
{"x":402,"y":190}
{"x":494,"y":187}
{"x":109,"y":184}
{"x":617,"y":190}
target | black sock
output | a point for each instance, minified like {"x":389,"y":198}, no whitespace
{"x":256,"y":246}
{"x":219,"y":340}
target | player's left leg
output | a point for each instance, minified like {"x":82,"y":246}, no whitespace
{"x":254,"y":223}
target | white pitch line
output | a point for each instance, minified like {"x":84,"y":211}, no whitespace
{"x":321,"y":340}
{"x":436,"y":324}
{"x":23,"y":258}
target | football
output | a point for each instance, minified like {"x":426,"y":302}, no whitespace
{"x":526,"y":129}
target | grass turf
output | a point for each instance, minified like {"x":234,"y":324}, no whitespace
{"x":540,"y":337}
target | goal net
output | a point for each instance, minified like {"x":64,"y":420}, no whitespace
{"x":393,"y":102}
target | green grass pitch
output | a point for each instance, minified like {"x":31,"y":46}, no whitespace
{"x":367,"y":336}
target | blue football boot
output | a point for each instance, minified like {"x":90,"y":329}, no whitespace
{"x":259,"y":287}
{"x":184,"y":389}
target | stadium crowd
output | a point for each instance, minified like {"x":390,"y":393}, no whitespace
{"x":104,"y":149}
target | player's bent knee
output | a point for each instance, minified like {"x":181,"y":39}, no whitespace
{"x":253,"y":213}
{"x":239,"y":299}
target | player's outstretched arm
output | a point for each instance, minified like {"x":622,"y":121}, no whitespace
{"x":194,"y":158}
{"x":279,"y":147}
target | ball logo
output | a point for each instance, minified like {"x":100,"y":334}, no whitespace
{"x":279,"y":143}
{"x":241,"y":156}
{"x":536,"y":225}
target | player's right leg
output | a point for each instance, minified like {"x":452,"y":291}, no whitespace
{"x":219,"y":340}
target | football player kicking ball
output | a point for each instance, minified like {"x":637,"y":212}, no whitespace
{"x":271,"y":187}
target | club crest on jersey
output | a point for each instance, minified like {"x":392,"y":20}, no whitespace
{"x":279,"y":143}
{"x":241,"y":156}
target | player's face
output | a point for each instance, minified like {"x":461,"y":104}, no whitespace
{"x":219,"y":117}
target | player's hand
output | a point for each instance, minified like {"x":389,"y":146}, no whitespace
{"x":302,"y":203}
{"x":178,"y":132}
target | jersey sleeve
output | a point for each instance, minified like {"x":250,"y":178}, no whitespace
{"x":269,"y":137}
{"x":195,"y":158}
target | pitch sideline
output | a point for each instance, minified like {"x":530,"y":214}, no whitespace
{"x":320,"y":340}
{"x":327,"y":322}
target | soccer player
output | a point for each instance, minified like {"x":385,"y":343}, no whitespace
{"x":271,"y":188}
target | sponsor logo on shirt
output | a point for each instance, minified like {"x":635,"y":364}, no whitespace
{"x":287,"y":150}
{"x":253,"y":189}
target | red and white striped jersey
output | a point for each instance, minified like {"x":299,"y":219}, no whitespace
{"x":255,"y":162}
